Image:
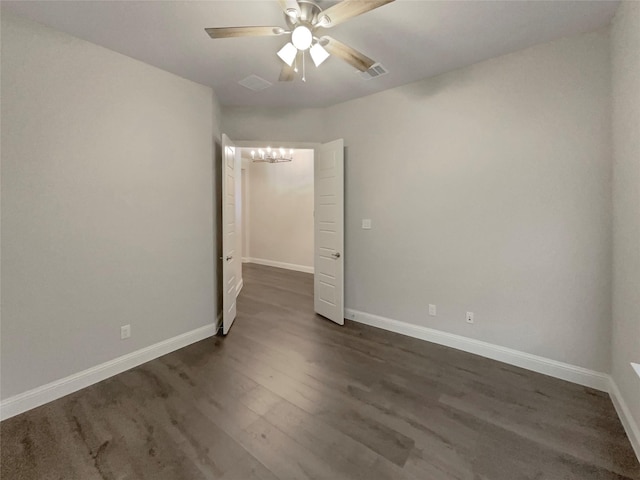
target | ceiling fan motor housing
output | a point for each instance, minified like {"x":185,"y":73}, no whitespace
{"x":309,"y":13}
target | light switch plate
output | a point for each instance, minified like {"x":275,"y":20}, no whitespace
{"x":432,"y":310}
{"x":366,"y":224}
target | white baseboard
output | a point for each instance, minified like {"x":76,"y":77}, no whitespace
{"x":51,"y":391}
{"x":272,"y":263}
{"x":629,"y":424}
{"x":572,"y":373}
{"x":582,"y":376}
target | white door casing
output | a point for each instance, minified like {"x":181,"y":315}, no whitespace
{"x":329,"y":231}
{"x":239,"y":201}
{"x":229,"y":232}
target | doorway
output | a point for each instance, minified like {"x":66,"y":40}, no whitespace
{"x":277,"y":227}
{"x":291,"y":218}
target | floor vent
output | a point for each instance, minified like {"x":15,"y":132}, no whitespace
{"x":375,"y":71}
{"x":255,"y":83}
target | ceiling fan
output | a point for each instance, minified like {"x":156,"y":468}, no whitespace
{"x":305,"y":21}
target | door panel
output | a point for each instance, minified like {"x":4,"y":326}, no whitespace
{"x":329,"y":231}
{"x":230,"y":258}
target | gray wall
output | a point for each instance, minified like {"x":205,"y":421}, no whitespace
{"x":273,"y":125}
{"x":107,"y":205}
{"x":490,"y":191}
{"x":625,"y":43}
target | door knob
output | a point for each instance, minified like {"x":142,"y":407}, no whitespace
{"x":336,"y":255}
{"x":229,"y":258}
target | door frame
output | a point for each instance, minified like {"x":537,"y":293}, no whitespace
{"x":261,"y":143}
{"x":315,"y":146}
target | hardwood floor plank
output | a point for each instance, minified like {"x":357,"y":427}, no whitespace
{"x":315,"y":398}
{"x":503,"y":455}
{"x":350,"y":457}
{"x":288,"y":394}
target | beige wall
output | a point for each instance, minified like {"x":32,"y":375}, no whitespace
{"x":107,"y":205}
{"x":280,"y":217}
{"x":245,"y":212}
{"x":625,"y":48}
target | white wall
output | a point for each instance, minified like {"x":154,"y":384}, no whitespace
{"x":625,"y":43}
{"x":107,"y":205}
{"x":280,"y":217}
{"x":490,"y":191}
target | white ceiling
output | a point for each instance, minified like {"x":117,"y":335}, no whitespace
{"x":413,"y":39}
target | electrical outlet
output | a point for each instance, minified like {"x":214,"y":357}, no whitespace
{"x":432,"y":310}
{"x":366,"y":224}
{"x":125,"y":332}
{"x":469,"y":317}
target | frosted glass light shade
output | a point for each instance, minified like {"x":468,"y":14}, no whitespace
{"x":288,"y":53}
{"x":301,"y":37}
{"x":318,"y":54}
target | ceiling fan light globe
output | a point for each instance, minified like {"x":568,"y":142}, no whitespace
{"x":301,"y":37}
{"x":288,"y":53}
{"x":318,"y":54}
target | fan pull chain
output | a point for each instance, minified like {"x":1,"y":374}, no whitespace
{"x":304,"y":78}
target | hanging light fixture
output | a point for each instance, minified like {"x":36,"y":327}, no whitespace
{"x":270,"y":155}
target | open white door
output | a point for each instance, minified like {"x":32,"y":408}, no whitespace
{"x":230,"y":258}
{"x":329,"y":231}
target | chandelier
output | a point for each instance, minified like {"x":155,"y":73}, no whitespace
{"x":271,"y":155}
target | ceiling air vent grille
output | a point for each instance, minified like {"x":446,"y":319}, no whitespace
{"x":255,"y":83}
{"x":375,"y":71}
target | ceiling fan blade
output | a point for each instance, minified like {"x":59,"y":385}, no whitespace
{"x":290,"y":7}
{"x":287,"y":74}
{"x":346,"y":53}
{"x":231,"y":32}
{"x":347,"y":9}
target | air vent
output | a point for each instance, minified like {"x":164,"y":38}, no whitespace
{"x":375,"y":71}
{"x":255,"y":83}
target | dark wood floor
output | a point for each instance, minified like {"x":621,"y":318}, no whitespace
{"x":290,"y":395}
